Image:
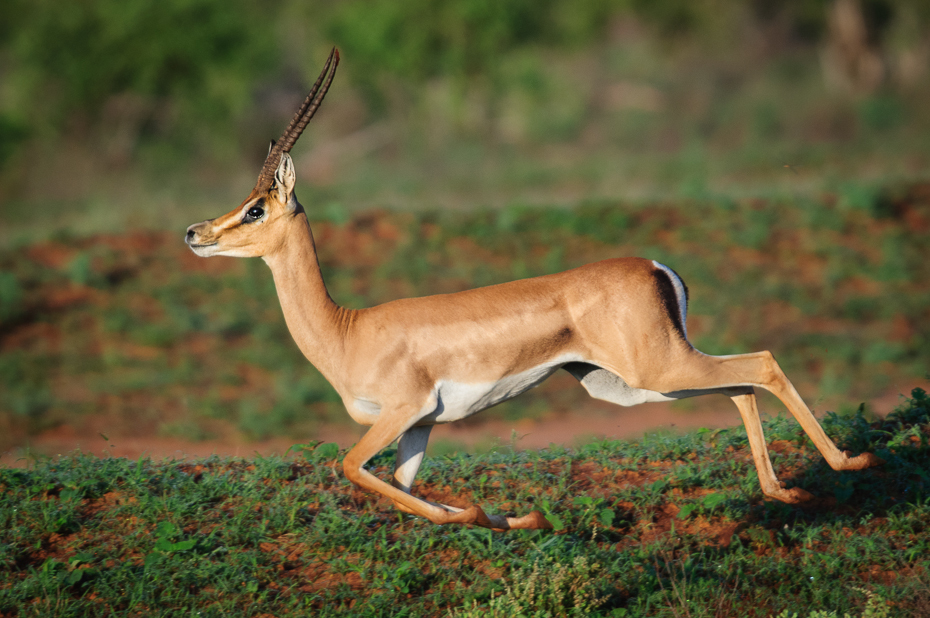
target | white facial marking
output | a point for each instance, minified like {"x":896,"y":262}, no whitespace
{"x":248,"y":205}
{"x":204,"y":250}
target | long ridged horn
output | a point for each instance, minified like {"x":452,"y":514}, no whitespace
{"x":298,"y":122}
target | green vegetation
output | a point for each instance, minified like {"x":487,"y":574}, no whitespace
{"x":507,"y":140}
{"x":467,"y":104}
{"x":663,"y":526}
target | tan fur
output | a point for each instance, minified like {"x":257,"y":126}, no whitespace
{"x":399,"y":366}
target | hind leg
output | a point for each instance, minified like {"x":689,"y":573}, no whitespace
{"x":771,"y":486}
{"x":761,"y":369}
{"x":690,"y":371}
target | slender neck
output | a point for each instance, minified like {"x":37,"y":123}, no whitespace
{"x":317,"y":324}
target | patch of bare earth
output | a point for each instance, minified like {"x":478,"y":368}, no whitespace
{"x":566,"y":429}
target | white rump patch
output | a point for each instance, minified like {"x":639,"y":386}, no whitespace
{"x":679,"y":286}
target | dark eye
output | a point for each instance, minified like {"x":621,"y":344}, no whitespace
{"x":255,"y":212}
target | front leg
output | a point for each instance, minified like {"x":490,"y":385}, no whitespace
{"x":410,"y":450}
{"x":396,"y":422}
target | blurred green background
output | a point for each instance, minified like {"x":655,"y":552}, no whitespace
{"x":772,"y":152}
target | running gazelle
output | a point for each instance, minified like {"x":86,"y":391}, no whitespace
{"x":618,"y":326}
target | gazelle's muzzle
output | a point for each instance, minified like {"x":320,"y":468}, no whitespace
{"x":200,"y":238}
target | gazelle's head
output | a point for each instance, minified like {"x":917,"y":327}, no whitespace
{"x":257,"y":226}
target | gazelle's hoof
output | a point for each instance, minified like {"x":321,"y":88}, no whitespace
{"x":795,"y":495}
{"x":476,"y":516}
{"x":533,"y":521}
{"x":861,"y":462}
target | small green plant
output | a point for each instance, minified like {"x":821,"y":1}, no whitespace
{"x":548,"y":589}
{"x":80,"y":270}
{"x":875,"y":607}
{"x":551,"y":516}
{"x":11,"y":297}
{"x":705,"y":506}
{"x":595,"y":512}
{"x":165,"y":535}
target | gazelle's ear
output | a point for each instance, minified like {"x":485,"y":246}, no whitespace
{"x":284,"y":179}
{"x":270,"y":146}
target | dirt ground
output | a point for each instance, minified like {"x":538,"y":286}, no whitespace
{"x":598,"y":420}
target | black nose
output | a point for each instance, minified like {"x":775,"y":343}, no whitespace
{"x":190,"y":235}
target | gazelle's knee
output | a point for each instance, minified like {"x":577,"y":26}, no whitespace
{"x":770,"y":373}
{"x":352,"y":469}
{"x":768,"y":359}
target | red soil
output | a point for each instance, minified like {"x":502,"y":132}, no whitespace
{"x":599,"y":420}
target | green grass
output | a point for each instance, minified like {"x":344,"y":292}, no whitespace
{"x":664,"y":526}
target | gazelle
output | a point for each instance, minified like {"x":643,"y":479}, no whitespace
{"x":618,"y":326}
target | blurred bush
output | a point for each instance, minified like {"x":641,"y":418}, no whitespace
{"x":146,"y":64}
{"x":420,"y":39}
{"x":187,"y":77}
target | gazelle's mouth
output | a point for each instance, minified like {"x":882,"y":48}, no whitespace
{"x":204,"y":250}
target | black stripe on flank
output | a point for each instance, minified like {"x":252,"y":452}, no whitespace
{"x":666,"y":289}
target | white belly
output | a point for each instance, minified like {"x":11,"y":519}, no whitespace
{"x":458,"y":400}
{"x":607,"y":386}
